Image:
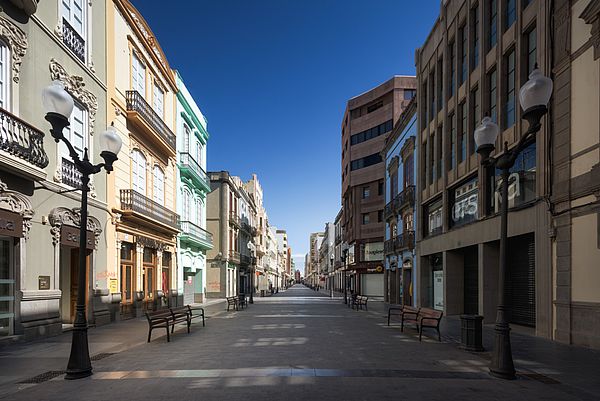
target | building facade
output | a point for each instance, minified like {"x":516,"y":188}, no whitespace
{"x":141,"y":194}
{"x":367,"y":122}
{"x":400,"y":212}
{"x":192,"y":187}
{"x":39,"y":206}
{"x":477,"y":56}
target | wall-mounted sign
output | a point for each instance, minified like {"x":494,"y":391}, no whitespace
{"x":44,"y":282}
{"x":69,"y":236}
{"x":465,"y":208}
{"x":373,"y":251}
{"x":113,"y":285}
{"x":11,"y":224}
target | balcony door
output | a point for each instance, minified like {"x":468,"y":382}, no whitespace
{"x":149,"y":273}
{"x":138,"y":172}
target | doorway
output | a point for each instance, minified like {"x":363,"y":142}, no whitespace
{"x":74,"y":282}
{"x":7,"y":286}
{"x":471,"y":281}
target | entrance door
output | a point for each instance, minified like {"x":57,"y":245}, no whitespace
{"x":127,"y":283}
{"x":7,"y":287}
{"x":407,"y":286}
{"x":75,"y":280}
{"x":471,"y":281}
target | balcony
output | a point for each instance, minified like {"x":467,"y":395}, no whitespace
{"x":141,"y":114}
{"x":189,"y":165}
{"x":24,"y":143}
{"x":388,"y":247}
{"x":401,"y":201}
{"x":245,"y":260}
{"x":248,"y":229}
{"x":73,"y":40}
{"x":139,"y":206}
{"x":234,"y":219}
{"x":405,"y":241}
{"x":234,"y":256}
{"x":69,"y":174}
{"x":191,"y":232}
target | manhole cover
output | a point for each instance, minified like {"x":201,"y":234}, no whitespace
{"x":43,"y":377}
{"x":101,"y":355}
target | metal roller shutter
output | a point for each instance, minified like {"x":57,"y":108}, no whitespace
{"x":520,"y":280}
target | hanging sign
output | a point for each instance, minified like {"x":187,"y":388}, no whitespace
{"x":69,"y":236}
{"x":11,"y":224}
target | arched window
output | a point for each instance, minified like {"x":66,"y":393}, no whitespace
{"x":187,"y":200}
{"x":198,"y":210}
{"x":158,"y":185}
{"x":138,"y":172}
{"x":4,"y":76}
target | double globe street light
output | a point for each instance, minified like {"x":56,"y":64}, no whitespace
{"x":534,"y":97}
{"x":59,"y":106}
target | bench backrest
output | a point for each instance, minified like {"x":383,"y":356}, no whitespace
{"x":180,"y":309}
{"x":431,"y":313}
{"x":158,"y":314}
{"x":410,"y":309}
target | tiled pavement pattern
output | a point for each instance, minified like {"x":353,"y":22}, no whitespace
{"x":296,"y":345}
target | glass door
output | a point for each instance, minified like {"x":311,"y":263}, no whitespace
{"x":7,"y":287}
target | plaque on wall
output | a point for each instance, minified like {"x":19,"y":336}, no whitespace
{"x":44,"y":282}
{"x":11,"y":224}
{"x":70,"y":236}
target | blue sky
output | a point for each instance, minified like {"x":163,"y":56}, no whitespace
{"x":273,"y":77}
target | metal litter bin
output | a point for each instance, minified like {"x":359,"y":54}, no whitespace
{"x":471,"y":332}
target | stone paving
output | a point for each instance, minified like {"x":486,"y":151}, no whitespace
{"x":295,"y":345}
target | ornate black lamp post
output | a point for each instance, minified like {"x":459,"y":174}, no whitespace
{"x":59,"y":105}
{"x":343,"y":258}
{"x":534,"y":97}
{"x":252,"y":248}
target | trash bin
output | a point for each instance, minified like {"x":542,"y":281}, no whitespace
{"x":471,"y":332}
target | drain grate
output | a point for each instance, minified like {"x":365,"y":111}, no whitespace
{"x":101,"y":355}
{"x":539,"y":377}
{"x":43,"y":377}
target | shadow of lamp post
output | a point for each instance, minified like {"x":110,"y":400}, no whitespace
{"x":59,"y":105}
{"x":534,"y":97}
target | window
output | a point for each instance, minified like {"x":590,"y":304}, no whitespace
{"x":440,"y":133}
{"x":187,"y":203}
{"x":432,"y":95}
{"x":424,"y":108}
{"x":475,"y":53}
{"x":365,"y":192}
{"x":138,"y":75}
{"x":493,"y":95}
{"x":74,"y":30}
{"x":526,"y":3}
{"x":365,"y":218}
{"x":434,"y":215}
{"x":464,"y":203}
{"x":198,"y":152}
{"x":509,"y":107}
{"x":521,"y":182}
{"x":409,"y":168}
{"x":4,"y":76}
{"x":158,"y":100}
{"x":365,"y":161}
{"x":379,"y":216}
{"x":463,"y":54}
{"x":424,"y":159}
{"x":198,"y":211}
{"x":431,"y":158}
{"x":393,"y":184}
{"x":452,"y":120}
{"x":462,"y":138}
{"x":493,"y":35}
{"x":158,"y":184}
{"x":511,"y":13}
{"x":409,"y":93}
{"x":380,"y":188}
{"x":138,"y":172}
{"x":531,"y":50}
{"x":76,"y":131}
{"x":452,"y":69}
{"x":440,"y":83}
{"x":375,"y":106}
{"x":476,"y":117}
{"x":371,"y":133}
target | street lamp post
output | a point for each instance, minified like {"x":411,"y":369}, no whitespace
{"x":344,"y":257}
{"x":534,"y":97}
{"x":252,"y":248}
{"x":330,"y":271}
{"x":59,"y":105}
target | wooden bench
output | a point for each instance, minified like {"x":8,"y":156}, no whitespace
{"x":170,"y":317}
{"x":360,"y":301}
{"x":196,"y":312}
{"x":180,"y":314}
{"x":232,"y":301}
{"x":429,"y":318}
{"x":409,"y":315}
{"x":242,"y":303}
{"x":158,"y":319}
{"x":401,"y":310}
{"x":352,"y":300}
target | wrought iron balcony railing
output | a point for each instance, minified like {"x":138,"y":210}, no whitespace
{"x":136,"y":202}
{"x":73,"y":40}
{"x":137,"y":103}
{"x":402,"y":200}
{"x":245,"y":260}
{"x":69,"y":174}
{"x":196,"y":232}
{"x":21,"y":140}
{"x":234,"y":256}
{"x":189,"y":163}
{"x":234,"y":219}
{"x":388,"y":246}
{"x":405,"y":241}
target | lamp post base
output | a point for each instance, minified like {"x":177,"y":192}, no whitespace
{"x":502,"y":363}
{"x":79,"y":362}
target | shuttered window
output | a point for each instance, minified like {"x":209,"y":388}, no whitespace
{"x":4,"y":76}
{"x":158,"y":184}
{"x":138,"y":172}
{"x":138,"y":75}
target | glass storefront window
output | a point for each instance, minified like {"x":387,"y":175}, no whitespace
{"x":521,"y":182}
{"x":7,"y":283}
{"x":434,"y":215}
{"x":463,"y":203}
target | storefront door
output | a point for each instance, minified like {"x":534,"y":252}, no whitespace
{"x":7,"y":286}
{"x":148,"y":273}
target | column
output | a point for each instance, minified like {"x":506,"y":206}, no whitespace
{"x":139,"y":265}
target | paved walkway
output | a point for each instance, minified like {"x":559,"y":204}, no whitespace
{"x":295,"y":345}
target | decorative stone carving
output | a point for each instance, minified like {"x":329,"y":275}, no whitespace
{"x":18,"y":203}
{"x":72,"y":217}
{"x":591,"y":15}
{"x":76,"y":87}
{"x":149,"y":38}
{"x":17,"y":40}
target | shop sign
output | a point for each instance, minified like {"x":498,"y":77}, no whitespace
{"x":373,"y":251}
{"x":44,"y":282}
{"x":113,"y":285}
{"x":69,"y":236}
{"x":438,"y":289}
{"x":11,"y":224}
{"x":464,"y":209}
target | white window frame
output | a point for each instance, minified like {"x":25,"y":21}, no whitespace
{"x":86,"y":17}
{"x":5,"y":76}
{"x":138,"y":74}
{"x":69,"y":133}
{"x":187,"y":198}
{"x":138,"y":171}
{"x":159,"y":106}
{"x":158,"y":184}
